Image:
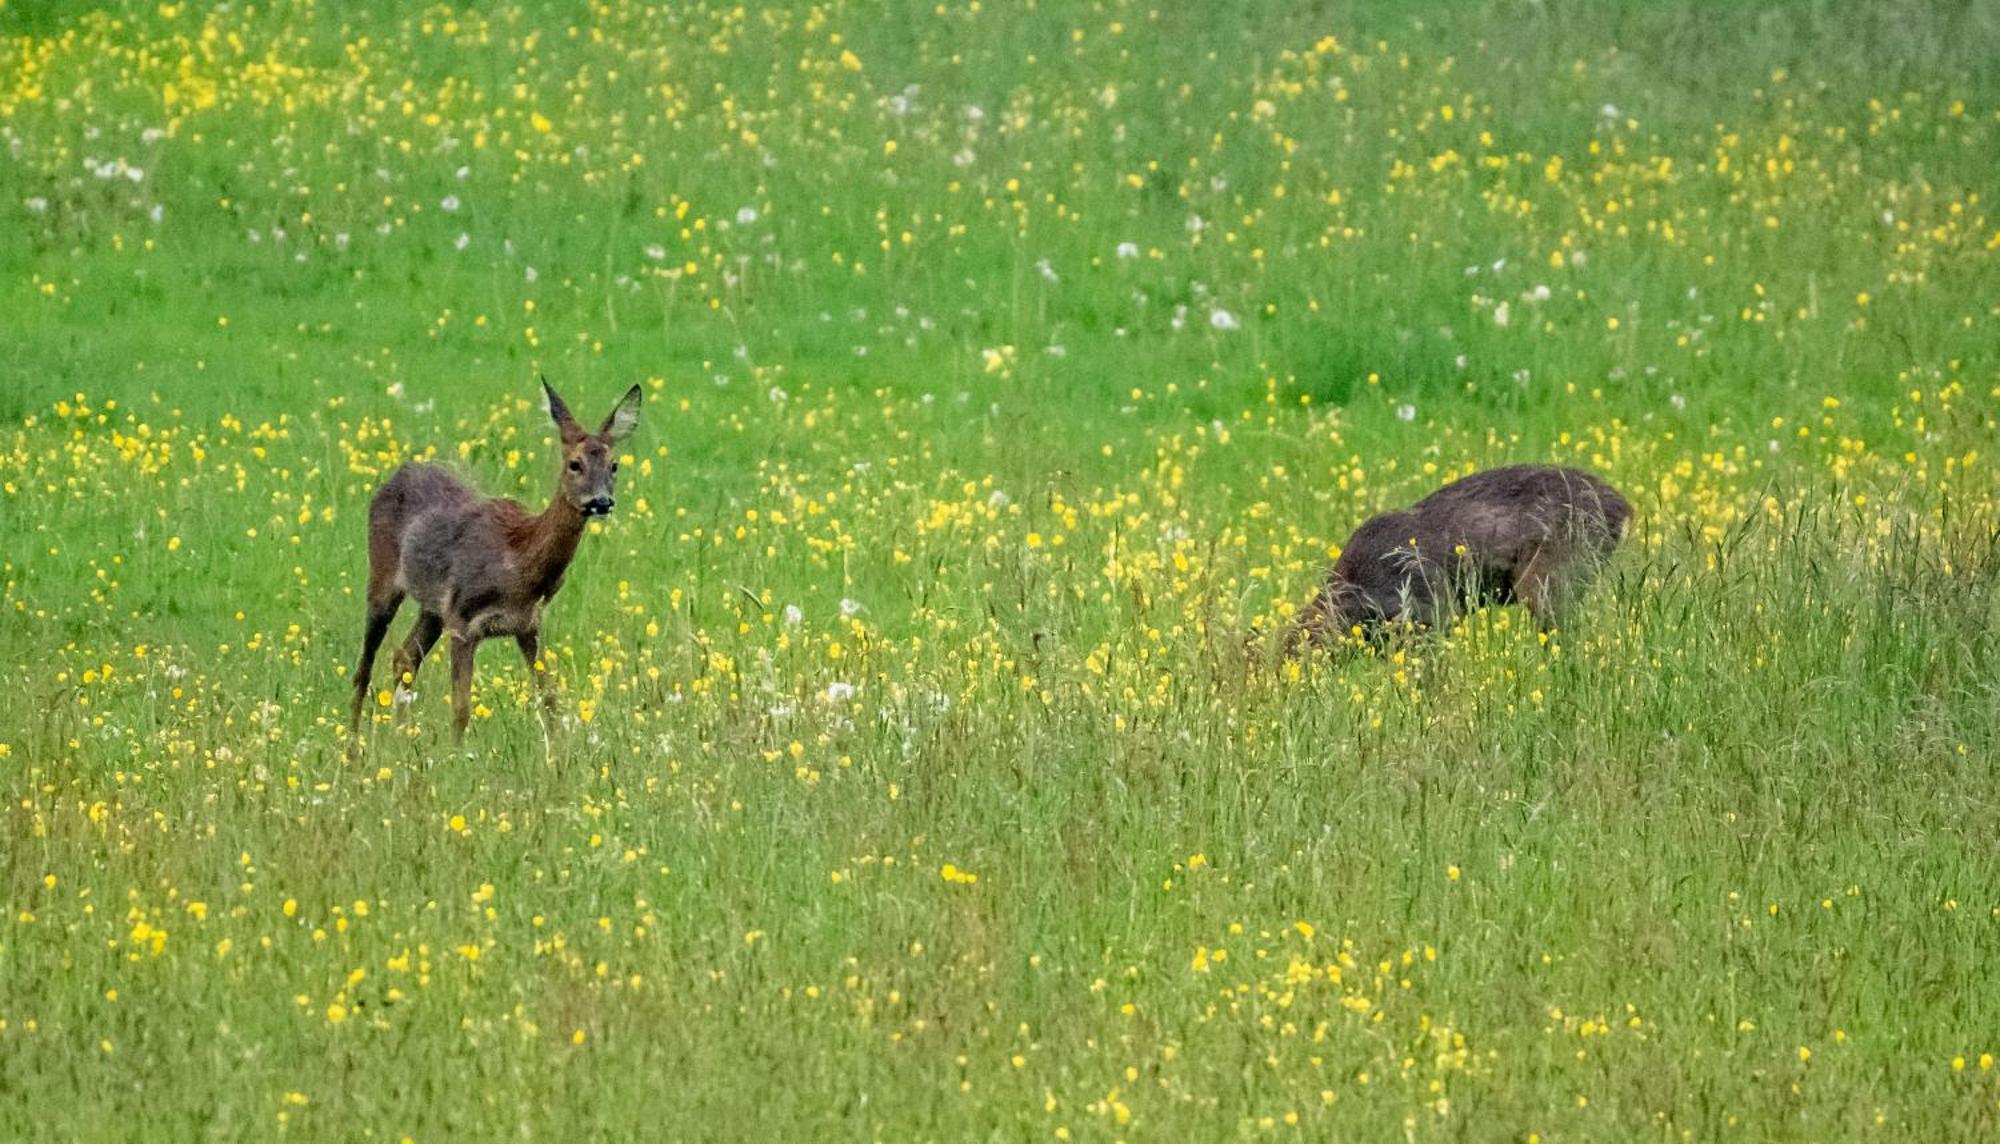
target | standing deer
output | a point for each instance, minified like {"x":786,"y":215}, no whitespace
{"x":1528,"y":533}
{"x":478,"y":567}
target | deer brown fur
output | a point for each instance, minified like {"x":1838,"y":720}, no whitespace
{"x":1532,"y":534}
{"x":481,"y":567}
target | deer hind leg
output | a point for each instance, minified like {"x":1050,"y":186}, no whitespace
{"x":410,"y":657}
{"x":463,"y":647}
{"x":381,"y":610}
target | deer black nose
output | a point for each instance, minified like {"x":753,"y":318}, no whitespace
{"x":598,"y":506}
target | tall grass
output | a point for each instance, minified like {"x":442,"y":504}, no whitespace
{"x":1007,"y":368}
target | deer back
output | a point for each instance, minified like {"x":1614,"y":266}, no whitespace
{"x":1503,"y":517}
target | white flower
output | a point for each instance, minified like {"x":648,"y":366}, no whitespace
{"x":1222,"y":319}
{"x":1677,"y":401}
{"x":1195,"y":224}
{"x":746,"y":215}
{"x":532,"y":274}
{"x":1128,"y":250}
{"x":793,"y":615}
{"x":1048,"y":272}
{"x":1459,"y":361}
{"x":999,"y":499}
{"x":462,"y":241}
{"x":838,"y":692}
{"x":1608,"y":111}
{"x":157,"y":212}
{"x":462,"y":172}
{"x":1539,"y":293}
{"x":38,"y":205}
{"x":396,"y":391}
{"x":450,"y":202}
{"x":777,"y":394}
{"x":655,"y":251}
{"x":849,"y":607}
{"x":1406,"y":412}
{"x":1501,"y":314}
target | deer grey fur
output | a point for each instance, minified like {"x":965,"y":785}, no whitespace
{"x":1532,"y":534}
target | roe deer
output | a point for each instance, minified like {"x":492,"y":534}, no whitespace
{"x":478,"y":567}
{"x":1532,"y":534}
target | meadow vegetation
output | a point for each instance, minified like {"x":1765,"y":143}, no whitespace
{"x":1007,"y":369}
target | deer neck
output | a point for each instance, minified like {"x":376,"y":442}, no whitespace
{"x":549,"y":543}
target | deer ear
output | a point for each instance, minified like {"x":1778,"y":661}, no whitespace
{"x":559,"y":412}
{"x":624,"y":418}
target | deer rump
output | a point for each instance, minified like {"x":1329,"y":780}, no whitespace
{"x":1528,"y":534}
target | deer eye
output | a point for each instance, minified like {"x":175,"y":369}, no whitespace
{"x":576,"y":466}
{"x":614,"y":466}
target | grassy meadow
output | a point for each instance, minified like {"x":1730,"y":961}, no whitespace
{"x":1007,"y":367}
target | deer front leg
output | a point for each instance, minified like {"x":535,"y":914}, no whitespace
{"x":530,"y":643}
{"x":463,"y":647}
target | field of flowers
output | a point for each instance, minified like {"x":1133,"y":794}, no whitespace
{"x":1008,"y":368}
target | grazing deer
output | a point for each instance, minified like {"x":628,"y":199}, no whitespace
{"x":478,"y":567}
{"x":1531,"y":534}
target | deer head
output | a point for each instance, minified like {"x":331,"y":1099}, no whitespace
{"x":589,"y":460}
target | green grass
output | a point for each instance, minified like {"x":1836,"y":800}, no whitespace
{"x":1715,"y":861}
